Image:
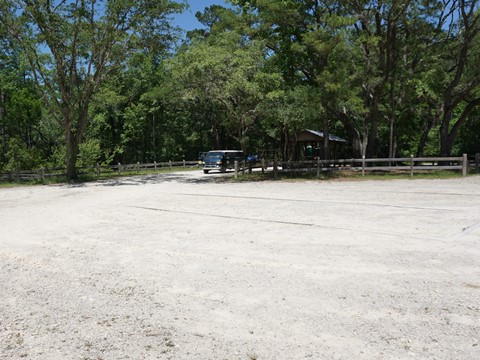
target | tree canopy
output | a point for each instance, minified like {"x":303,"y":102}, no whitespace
{"x":107,"y":81}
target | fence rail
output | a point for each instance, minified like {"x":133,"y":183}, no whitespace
{"x":44,"y":173}
{"x":407,"y":164}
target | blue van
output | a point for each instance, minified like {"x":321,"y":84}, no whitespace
{"x":222,"y":160}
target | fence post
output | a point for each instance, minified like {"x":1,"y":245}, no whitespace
{"x":411,"y":165}
{"x":170,"y":164}
{"x":155,"y":165}
{"x":250,"y":166}
{"x":236,"y":168}
{"x":363,"y":165}
{"x":119,"y":168}
{"x":275,"y":168}
{"x":98,"y":170}
{"x":465,"y":165}
{"x":184,"y":163}
{"x":318,"y":167}
{"x":138,"y":166}
{"x":263,"y":165}
{"x":477,"y":163}
{"x":42,"y":174}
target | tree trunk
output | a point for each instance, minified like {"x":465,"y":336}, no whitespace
{"x":446,"y":146}
{"x":448,"y":133}
{"x":285,"y":144}
{"x":422,"y":142}
{"x":456,"y":92}
{"x":358,"y":144}
{"x":326,"y":138}
{"x":391,"y":147}
{"x":72,"y":153}
{"x":445,"y":140}
{"x":215,"y":137}
{"x":392,"y":110}
{"x":372,"y":145}
{"x":3,"y":129}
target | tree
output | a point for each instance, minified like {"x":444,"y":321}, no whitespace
{"x":21,"y":108}
{"x":384,"y":68}
{"x":461,"y":95}
{"x":72,"y":46}
{"x":224,"y":71}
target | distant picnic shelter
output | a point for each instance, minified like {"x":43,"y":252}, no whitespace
{"x":308,"y":145}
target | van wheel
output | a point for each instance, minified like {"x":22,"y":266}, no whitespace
{"x":205,"y":171}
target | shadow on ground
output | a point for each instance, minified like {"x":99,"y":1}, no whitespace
{"x":189,"y":177}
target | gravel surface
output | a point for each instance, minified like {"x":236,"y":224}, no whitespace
{"x":179,"y":266}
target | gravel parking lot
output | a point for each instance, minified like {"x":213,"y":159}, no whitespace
{"x":178,"y":266}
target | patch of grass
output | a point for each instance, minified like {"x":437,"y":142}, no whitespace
{"x":8,"y":185}
{"x":27,"y":183}
{"x":105,"y":175}
{"x":441,"y":174}
{"x":341,"y":176}
{"x":83,"y":178}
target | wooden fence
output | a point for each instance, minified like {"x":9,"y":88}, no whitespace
{"x":409,"y":164}
{"x":97,"y":170}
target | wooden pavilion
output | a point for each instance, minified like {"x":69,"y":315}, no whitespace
{"x":308,"y":145}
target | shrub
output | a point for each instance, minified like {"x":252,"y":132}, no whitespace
{"x":20,"y":157}
{"x":90,"y":153}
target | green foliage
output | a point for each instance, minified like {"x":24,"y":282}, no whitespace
{"x":394,"y":78}
{"x":90,"y":153}
{"x":469,"y":137}
{"x":57,"y":158}
{"x":19,"y":157}
{"x":226,"y":73}
{"x":72,"y":46}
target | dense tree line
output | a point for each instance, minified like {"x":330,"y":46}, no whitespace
{"x":90,"y":81}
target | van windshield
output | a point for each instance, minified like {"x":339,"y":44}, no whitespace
{"x":212,"y":156}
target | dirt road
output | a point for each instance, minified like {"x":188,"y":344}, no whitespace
{"x":180,"y":267}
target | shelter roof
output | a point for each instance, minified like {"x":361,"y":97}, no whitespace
{"x":313,"y":135}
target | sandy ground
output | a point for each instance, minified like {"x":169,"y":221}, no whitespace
{"x":180,"y":267}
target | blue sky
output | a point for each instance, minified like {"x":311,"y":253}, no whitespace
{"x":187,"y":20}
